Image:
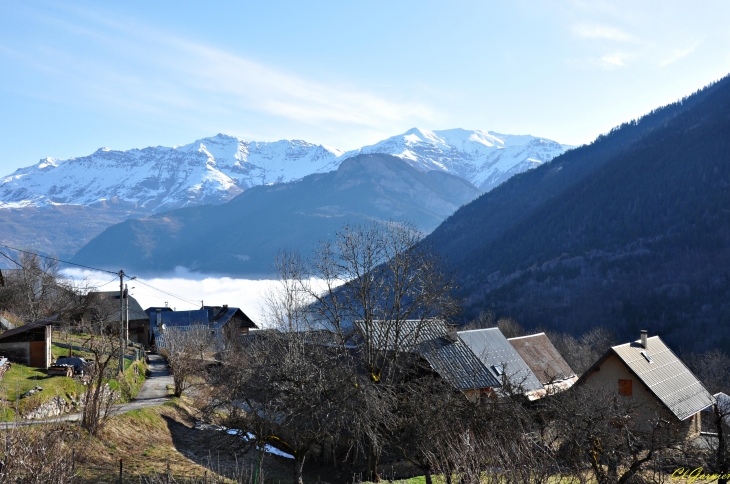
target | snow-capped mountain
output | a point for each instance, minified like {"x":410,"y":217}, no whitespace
{"x":485,"y":158}
{"x":210,"y":170}
{"x":215,"y":169}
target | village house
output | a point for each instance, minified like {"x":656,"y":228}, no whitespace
{"x":545,"y":361}
{"x":105,"y":307}
{"x":477,"y":362}
{"x":647,"y":371}
{"x":223,"y":321}
{"x":499,"y":356}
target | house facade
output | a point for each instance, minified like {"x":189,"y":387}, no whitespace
{"x":224,"y":322}
{"x":649,"y":373}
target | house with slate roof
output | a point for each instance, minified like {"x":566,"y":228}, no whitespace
{"x":501,"y":358}
{"x":649,"y":372}
{"x":477,"y":363}
{"x":222,"y":321}
{"x":545,"y":361}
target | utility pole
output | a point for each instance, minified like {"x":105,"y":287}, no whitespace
{"x":126,"y":315}
{"x":121,"y":321}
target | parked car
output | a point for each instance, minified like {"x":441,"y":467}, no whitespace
{"x":80,"y":365}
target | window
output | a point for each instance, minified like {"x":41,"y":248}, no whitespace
{"x":624,"y":388}
{"x":646,"y":355}
{"x":498,"y":370}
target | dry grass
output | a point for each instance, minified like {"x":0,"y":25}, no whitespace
{"x":150,"y":439}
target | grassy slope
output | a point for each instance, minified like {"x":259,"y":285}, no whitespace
{"x":20,"y":378}
{"x":148,"y":439}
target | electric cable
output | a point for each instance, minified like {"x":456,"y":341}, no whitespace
{"x":57,"y":260}
{"x":189,"y":301}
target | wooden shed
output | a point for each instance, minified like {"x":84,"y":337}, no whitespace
{"x":29,"y":344}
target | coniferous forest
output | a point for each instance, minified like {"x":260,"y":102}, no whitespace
{"x":629,"y":232}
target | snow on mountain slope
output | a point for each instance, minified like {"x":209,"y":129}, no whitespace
{"x":215,"y":169}
{"x":485,"y":158}
{"x":210,"y":170}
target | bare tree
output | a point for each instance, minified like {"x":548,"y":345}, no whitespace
{"x":288,"y":393}
{"x":186,"y":350}
{"x":100,"y":329}
{"x":712,"y":368}
{"x":611,"y":435}
{"x":581,"y":353}
{"x":35,"y":290}
{"x":307,"y":391}
{"x":377,"y":274}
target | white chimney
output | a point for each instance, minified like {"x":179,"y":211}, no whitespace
{"x":643,"y":338}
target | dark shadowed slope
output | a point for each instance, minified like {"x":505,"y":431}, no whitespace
{"x":631,"y":231}
{"x":243,"y":236}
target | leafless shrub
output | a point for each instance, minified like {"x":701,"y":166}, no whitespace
{"x":102,"y":341}
{"x":39,"y":454}
{"x":712,"y":368}
{"x":187,"y":350}
{"x":582,"y":352}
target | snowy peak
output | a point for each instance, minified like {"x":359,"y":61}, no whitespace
{"x":217,"y":168}
{"x":209,"y":170}
{"x":485,"y":158}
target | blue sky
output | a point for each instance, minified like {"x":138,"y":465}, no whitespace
{"x":77,"y":76}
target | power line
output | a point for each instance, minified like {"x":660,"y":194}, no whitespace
{"x":57,"y":260}
{"x":102,"y":285}
{"x":94,"y":269}
{"x":189,"y":301}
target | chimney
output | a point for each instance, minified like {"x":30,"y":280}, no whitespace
{"x":643,"y":338}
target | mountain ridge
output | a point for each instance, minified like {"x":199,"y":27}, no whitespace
{"x":216,"y":169}
{"x":250,"y":229}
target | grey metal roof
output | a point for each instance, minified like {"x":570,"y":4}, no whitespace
{"x":542,"y":357}
{"x":136,"y":312}
{"x":41,"y":323}
{"x":448,"y":357}
{"x":666,"y":376}
{"x":493,"y":349}
{"x":403,"y":335}
{"x":457,"y":364}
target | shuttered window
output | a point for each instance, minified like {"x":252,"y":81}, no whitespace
{"x":624,"y":388}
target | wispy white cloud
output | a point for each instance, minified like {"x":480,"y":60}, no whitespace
{"x":595,"y":31}
{"x":612,"y":61}
{"x":140,"y":69}
{"x":679,"y":53}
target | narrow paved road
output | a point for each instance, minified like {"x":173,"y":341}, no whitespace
{"x":153,"y":392}
{"x":156,"y":385}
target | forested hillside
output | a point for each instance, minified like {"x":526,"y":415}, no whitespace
{"x":630,"y":231}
